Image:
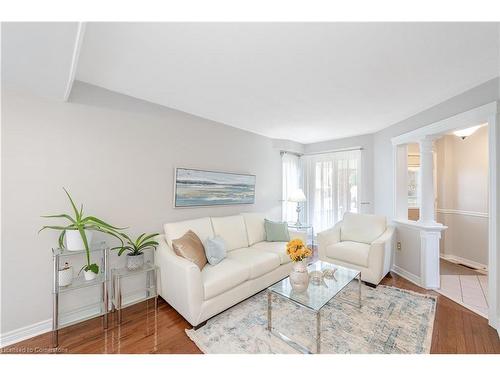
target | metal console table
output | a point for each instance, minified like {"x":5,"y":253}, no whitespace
{"x":61,"y":320}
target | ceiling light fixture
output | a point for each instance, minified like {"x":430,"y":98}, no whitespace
{"x":464,"y":133}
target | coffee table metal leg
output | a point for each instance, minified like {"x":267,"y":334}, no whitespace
{"x":359,"y":289}
{"x":318,"y":332}
{"x":269,"y":312}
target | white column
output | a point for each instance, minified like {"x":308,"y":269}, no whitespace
{"x":426,"y":185}
{"x":429,"y":258}
{"x":400,"y":153}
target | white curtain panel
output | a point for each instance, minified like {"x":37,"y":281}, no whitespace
{"x":291,"y":172}
{"x":333,"y":187}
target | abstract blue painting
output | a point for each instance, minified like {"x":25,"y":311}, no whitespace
{"x":195,"y":187}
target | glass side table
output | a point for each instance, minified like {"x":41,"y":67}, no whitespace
{"x":64,"y":319}
{"x":303,"y":228}
{"x":150,"y":289}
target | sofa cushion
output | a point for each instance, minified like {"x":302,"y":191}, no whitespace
{"x":201,"y":227}
{"x":362,"y":227}
{"x":349,"y":252}
{"x":278,"y":248}
{"x":257,"y":262}
{"x":223,"y":277}
{"x":232,"y":230}
{"x":254,"y":223}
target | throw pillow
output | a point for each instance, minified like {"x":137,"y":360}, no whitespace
{"x":215,"y":250}
{"x":276,"y":231}
{"x":190,"y":247}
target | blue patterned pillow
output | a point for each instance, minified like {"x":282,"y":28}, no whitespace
{"x":215,"y":250}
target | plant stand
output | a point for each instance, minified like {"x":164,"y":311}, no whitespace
{"x":150,"y":290}
{"x":65,"y":319}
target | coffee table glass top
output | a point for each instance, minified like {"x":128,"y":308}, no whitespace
{"x":316,"y":296}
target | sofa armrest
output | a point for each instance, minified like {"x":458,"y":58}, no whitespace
{"x":328,"y":237}
{"x":380,"y":254}
{"x":180,"y":282}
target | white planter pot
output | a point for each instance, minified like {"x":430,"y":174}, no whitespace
{"x":65,"y":276}
{"x":74,"y":240}
{"x":299,"y":277}
{"x":89,"y":275}
{"x":135,"y":262}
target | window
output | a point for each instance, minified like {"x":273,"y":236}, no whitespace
{"x":334,"y":182}
{"x":290,"y":165}
{"x":413,"y":199}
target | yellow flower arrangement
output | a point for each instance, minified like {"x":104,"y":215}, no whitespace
{"x":297,"y":251}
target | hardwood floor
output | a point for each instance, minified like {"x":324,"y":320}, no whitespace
{"x":456,"y":330}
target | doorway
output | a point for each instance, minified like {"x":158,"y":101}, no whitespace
{"x":461,"y":162}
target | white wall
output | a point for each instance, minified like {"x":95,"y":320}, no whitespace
{"x":462,"y":195}
{"x":363,"y":141}
{"x":116,"y":155}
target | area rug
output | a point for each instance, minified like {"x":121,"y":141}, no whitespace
{"x":390,"y":320}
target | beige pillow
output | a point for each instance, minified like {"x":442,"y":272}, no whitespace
{"x":190,"y":247}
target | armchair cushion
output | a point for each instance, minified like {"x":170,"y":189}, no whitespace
{"x":350,"y":252}
{"x":362,"y":227}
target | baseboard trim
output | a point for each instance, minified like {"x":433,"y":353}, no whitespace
{"x":483,"y":268}
{"x":406,"y":275}
{"x":24,"y":333}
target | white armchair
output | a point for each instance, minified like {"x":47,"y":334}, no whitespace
{"x":362,"y":242}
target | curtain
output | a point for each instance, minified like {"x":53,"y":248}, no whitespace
{"x":333,"y":187}
{"x":290,"y":181}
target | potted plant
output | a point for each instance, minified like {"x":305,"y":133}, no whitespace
{"x":80,"y":226}
{"x":135,"y":255}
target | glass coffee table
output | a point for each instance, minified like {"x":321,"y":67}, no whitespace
{"x":314,"y":298}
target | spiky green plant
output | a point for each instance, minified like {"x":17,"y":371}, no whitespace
{"x":81,"y":223}
{"x":136,"y":247}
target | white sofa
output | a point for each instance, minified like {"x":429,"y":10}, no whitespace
{"x":251,"y":265}
{"x":360,"y":241}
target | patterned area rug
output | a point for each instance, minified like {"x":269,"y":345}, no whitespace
{"x":391,"y":320}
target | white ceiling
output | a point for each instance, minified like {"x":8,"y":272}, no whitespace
{"x":300,"y":81}
{"x":37,"y":56}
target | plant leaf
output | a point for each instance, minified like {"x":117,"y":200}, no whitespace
{"x":149,"y":237}
{"x":56,"y":227}
{"x":94,"y":268}
{"x":61,"y":239}
{"x":99,"y":222}
{"x":85,"y":243}
{"x":77,"y":215}
{"x":138,"y":240}
{"x":59,"y":216}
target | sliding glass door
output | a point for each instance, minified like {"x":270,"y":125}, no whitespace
{"x":333,"y":182}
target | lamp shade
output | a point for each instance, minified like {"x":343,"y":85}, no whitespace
{"x":297,"y":196}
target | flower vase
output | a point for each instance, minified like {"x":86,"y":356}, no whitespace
{"x":299,"y":277}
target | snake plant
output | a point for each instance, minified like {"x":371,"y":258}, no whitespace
{"x":136,"y":247}
{"x":80,"y":223}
